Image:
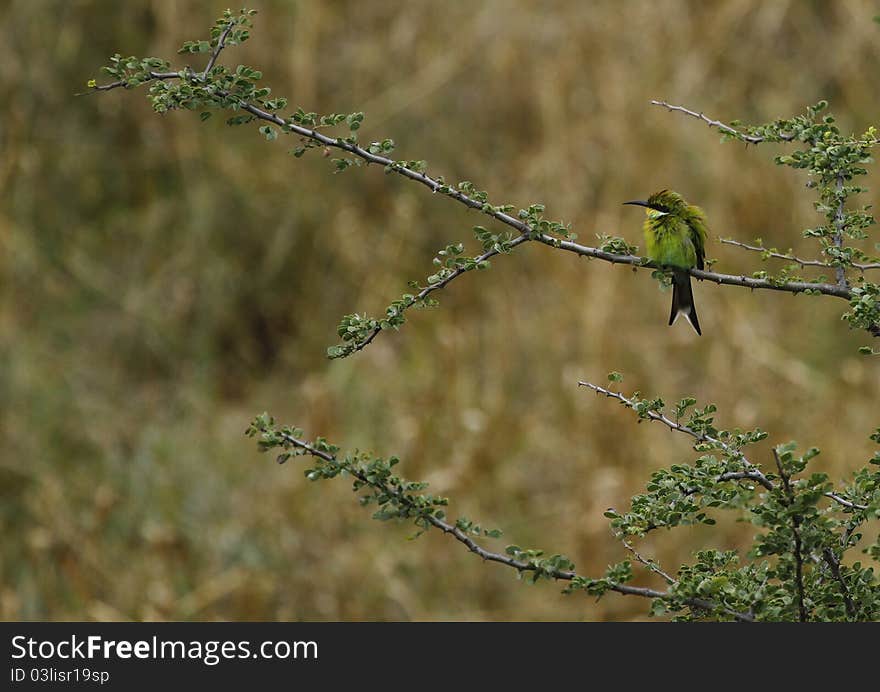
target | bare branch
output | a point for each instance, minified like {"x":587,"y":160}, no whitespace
{"x":843,"y":501}
{"x":792,"y":258}
{"x":750,"y":139}
{"x":777,"y":255}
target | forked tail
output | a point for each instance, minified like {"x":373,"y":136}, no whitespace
{"x":683,"y":301}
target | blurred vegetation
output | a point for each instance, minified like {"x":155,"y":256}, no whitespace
{"x":163,"y":280}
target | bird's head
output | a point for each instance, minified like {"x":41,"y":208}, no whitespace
{"x":662,"y":203}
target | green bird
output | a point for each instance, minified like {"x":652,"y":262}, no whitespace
{"x":675,"y":238}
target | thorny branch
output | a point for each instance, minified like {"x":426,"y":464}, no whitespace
{"x":703,"y":275}
{"x":519,"y":565}
{"x":647,"y":562}
{"x":839,"y":222}
{"x":742,"y":136}
{"x":834,"y":565}
{"x":121,"y":83}
{"x":793,"y":258}
{"x":751,"y":472}
{"x":750,"y":139}
{"x":221,"y":44}
{"x":843,"y":501}
{"x":796,"y":534}
{"x":524,"y":230}
{"x":427,"y":290}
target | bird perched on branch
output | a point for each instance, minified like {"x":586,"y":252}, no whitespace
{"x":675,"y":239}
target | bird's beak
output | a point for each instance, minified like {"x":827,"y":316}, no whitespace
{"x":639,"y":203}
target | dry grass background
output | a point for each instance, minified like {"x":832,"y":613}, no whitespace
{"x":164,"y":280}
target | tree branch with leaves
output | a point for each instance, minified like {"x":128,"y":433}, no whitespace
{"x":805,"y":524}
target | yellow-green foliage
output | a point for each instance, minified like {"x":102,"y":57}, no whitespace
{"x":162,"y":280}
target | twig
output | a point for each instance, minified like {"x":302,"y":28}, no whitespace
{"x":421,"y":295}
{"x":834,"y":564}
{"x":519,"y":565}
{"x":792,"y":258}
{"x":751,"y":139}
{"x":839,"y":223}
{"x":122,"y":83}
{"x":843,"y":501}
{"x":752,"y":472}
{"x":221,"y":44}
{"x":650,"y":564}
{"x":774,"y":253}
{"x":203,"y":76}
{"x":796,"y":532}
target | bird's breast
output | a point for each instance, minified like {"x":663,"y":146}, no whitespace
{"x":669,"y":245}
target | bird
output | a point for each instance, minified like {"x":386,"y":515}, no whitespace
{"x":675,"y":240}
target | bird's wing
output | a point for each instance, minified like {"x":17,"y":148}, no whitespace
{"x":698,"y":235}
{"x":701,"y":250}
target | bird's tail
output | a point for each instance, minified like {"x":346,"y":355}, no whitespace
{"x":683,"y":301}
